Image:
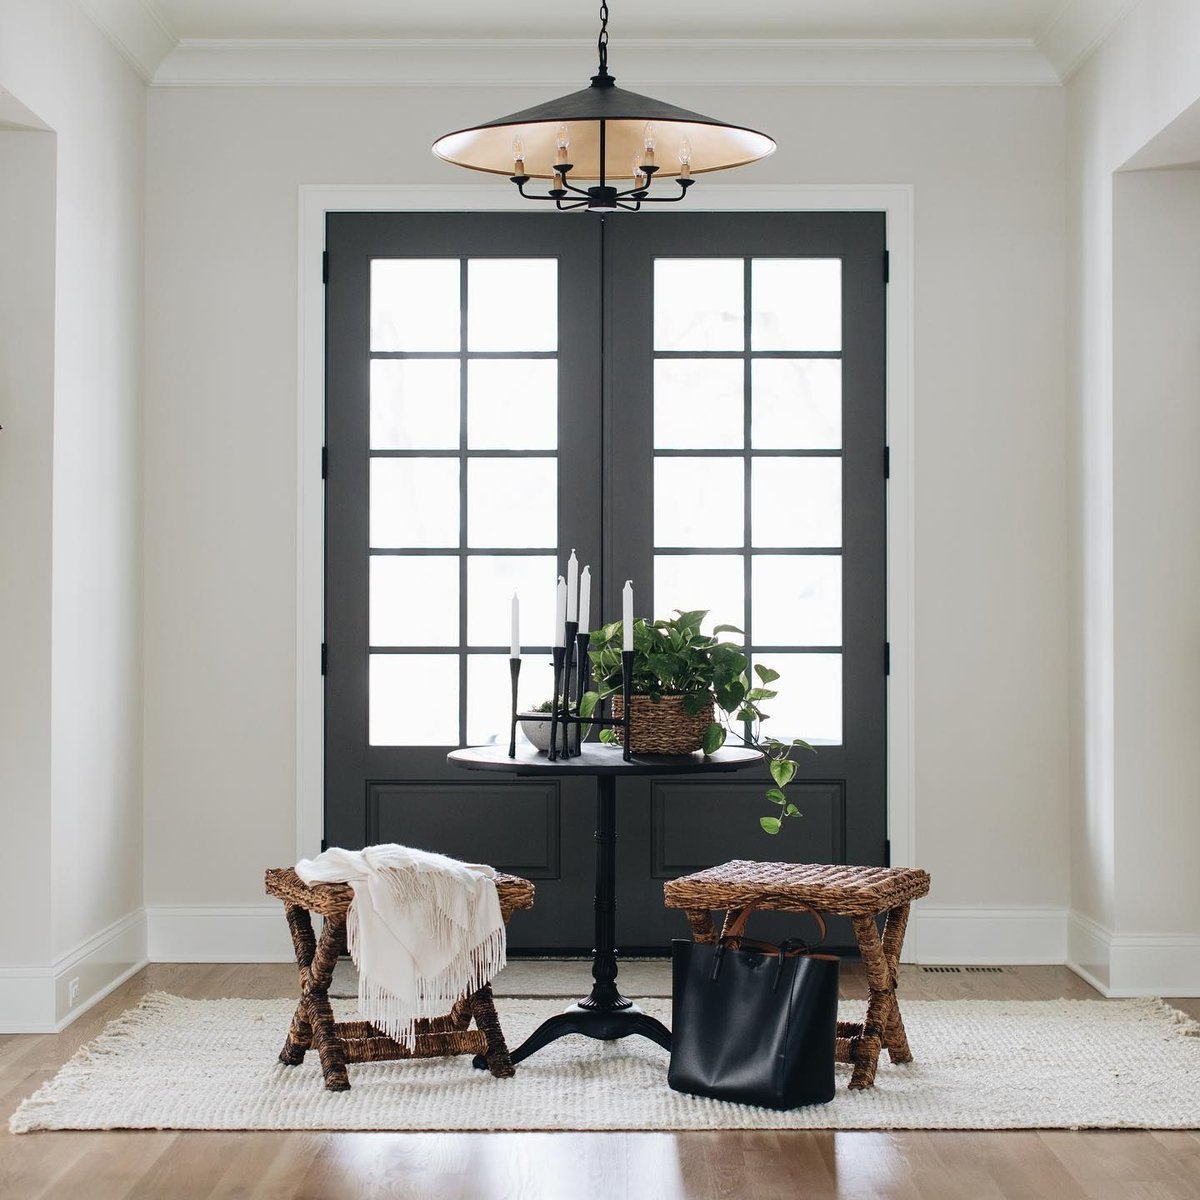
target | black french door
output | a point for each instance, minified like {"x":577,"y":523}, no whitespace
{"x":695,"y":402}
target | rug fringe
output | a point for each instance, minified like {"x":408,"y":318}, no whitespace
{"x":72,"y":1078}
{"x":1188,"y":1026}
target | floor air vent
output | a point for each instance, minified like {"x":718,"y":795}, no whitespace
{"x":941,"y":970}
{"x":985,"y":970}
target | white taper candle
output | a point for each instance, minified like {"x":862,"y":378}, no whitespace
{"x":572,"y":588}
{"x":585,"y":601}
{"x":627,"y":615}
{"x":560,"y":613}
{"x":515,"y":652}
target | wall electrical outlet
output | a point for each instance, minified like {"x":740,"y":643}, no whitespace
{"x":73,"y":991}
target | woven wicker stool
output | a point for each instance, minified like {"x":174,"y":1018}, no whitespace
{"x":860,"y":893}
{"x":341,"y":1042}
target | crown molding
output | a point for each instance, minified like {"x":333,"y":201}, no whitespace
{"x":1078,"y":30}
{"x":568,"y":63}
{"x":138,"y":30}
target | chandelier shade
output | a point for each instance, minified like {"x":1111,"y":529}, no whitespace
{"x":607,"y":130}
{"x":607,"y":135}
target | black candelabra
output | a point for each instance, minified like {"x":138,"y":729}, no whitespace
{"x":571,"y":675}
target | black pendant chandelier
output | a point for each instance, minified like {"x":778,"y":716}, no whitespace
{"x":620,"y":139}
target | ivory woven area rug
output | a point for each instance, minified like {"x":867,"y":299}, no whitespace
{"x":980,"y":1064}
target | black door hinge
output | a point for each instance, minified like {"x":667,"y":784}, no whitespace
{"x":324,"y":462}
{"x":887,"y":658}
{"x":887,"y":267}
{"x":887,"y":851}
{"x":324,"y":845}
{"x":324,"y":657}
{"x":887,"y":463}
{"x":325,"y":266}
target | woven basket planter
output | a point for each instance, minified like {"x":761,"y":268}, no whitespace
{"x":664,"y":727}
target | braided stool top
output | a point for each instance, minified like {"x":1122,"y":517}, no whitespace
{"x":334,"y":899}
{"x":844,"y":891}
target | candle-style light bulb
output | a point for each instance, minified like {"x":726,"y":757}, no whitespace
{"x":649,"y":137}
{"x":685,"y":159}
{"x":518,"y":156}
{"x":562,"y":144}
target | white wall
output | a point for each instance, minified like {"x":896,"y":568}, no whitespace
{"x":56,"y":63}
{"x":1140,"y":81}
{"x":224,"y":168}
{"x":26,"y":453}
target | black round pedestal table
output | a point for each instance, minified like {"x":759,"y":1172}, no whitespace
{"x":604,"y":1013}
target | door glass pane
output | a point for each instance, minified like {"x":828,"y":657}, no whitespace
{"x":809,"y":704}
{"x":489,"y":694}
{"x":797,"y":404}
{"x":512,"y":502}
{"x":698,"y":404}
{"x":491,"y":582}
{"x":413,"y":700}
{"x":796,"y":501}
{"x":797,"y":304}
{"x":698,"y":501}
{"x":512,"y":404}
{"x":414,"y":502}
{"x":699,"y":304}
{"x":414,"y":304}
{"x":414,"y":600}
{"x":712,"y":581}
{"x":414,"y":404}
{"x":512,"y":304}
{"x":797,"y":599}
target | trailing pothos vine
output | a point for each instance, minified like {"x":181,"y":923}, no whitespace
{"x":674,"y":658}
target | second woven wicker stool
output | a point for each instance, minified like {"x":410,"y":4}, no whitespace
{"x":860,"y":893}
{"x":341,"y":1042}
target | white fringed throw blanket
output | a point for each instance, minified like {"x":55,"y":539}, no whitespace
{"x":423,"y":930}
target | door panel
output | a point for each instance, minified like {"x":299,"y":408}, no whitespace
{"x":462,"y":418}
{"x":764,"y":502}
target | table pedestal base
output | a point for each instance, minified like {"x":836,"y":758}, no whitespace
{"x":605,"y":1025}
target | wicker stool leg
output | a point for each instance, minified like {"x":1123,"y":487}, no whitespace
{"x":299,"y":1038}
{"x":483,"y":1009}
{"x":894,"y":1035}
{"x":882,"y":1000}
{"x":320,"y":1015}
{"x":701,"y":924}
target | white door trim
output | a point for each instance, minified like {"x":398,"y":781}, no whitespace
{"x":896,"y":200}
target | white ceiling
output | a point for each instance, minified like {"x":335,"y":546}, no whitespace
{"x":629,"y":18}
{"x":745,"y":42}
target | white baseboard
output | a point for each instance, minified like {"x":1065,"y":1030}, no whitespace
{"x":1134,"y":964}
{"x":224,"y":933}
{"x":967,"y":935}
{"x":37,"y":999}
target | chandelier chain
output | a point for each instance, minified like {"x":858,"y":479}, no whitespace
{"x":602,"y":40}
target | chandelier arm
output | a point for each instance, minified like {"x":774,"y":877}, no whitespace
{"x":530,"y":195}
{"x":662,"y":199}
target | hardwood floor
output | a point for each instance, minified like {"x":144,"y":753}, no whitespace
{"x":575,"y":1166}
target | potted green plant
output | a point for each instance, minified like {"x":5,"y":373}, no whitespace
{"x":691,"y":690}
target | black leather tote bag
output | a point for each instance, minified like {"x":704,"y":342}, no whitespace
{"x":754,"y":1022}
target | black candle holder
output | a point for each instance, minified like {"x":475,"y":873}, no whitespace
{"x":514,"y":670}
{"x":572,"y":673}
